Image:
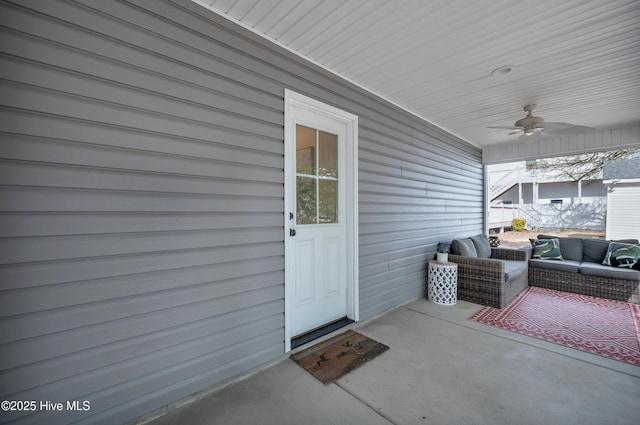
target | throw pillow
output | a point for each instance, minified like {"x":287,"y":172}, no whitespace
{"x":481,"y":243}
{"x":547,"y":249}
{"x":622,"y":255}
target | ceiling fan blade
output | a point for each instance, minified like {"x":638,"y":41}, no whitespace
{"x":583,"y":129}
{"x":506,"y":127}
{"x":555,"y":126}
{"x":515,"y":132}
{"x":571,"y":129}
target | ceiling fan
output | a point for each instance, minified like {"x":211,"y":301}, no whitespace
{"x":532,"y":127}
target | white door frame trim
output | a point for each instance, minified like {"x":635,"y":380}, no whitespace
{"x":296,"y":100}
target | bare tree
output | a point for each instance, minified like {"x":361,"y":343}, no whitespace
{"x":583,"y":166}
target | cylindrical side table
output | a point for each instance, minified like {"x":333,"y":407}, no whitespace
{"x":442,"y":286}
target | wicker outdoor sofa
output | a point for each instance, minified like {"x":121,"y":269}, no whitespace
{"x":581,"y":271}
{"x":489,"y":276}
{"x":496,"y":276}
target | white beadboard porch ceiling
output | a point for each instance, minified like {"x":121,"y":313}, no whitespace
{"x":578,"y":60}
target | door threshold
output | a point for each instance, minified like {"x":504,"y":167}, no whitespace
{"x":319,"y":332}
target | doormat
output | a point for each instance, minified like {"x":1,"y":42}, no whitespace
{"x":335,"y":357}
{"x":596,"y":325}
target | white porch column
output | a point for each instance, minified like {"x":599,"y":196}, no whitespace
{"x":580,"y":190}
{"x":520,"y":194}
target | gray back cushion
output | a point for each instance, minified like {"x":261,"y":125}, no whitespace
{"x":454,"y":248}
{"x":481,"y":243}
{"x":571,"y":248}
{"x":631,"y":241}
{"x":463,"y":247}
{"x":594,"y":250}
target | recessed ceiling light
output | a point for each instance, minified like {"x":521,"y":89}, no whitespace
{"x":503,"y":70}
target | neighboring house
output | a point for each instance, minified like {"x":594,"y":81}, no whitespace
{"x":146,"y":200}
{"x":529,"y":186}
{"x":545,"y":199}
{"x":555,"y":192}
{"x":622,"y":180}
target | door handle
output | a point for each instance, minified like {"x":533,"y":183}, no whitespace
{"x":292,"y":232}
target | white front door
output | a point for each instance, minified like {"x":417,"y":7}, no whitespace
{"x":320,"y":223}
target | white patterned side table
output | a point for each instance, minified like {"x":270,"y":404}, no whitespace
{"x":442,"y":286}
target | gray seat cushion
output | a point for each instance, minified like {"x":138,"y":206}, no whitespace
{"x":481,"y":243}
{"x":514,"y":269}
{"x":593,"y":269}
{"x":464,"y":247}
{"x":564,"y":266}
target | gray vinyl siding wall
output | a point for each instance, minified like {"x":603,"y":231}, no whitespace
{"x":141,"y":213}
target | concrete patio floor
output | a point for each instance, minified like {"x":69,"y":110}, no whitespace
{"x":440,"y":369}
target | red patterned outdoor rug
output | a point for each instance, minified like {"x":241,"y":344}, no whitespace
{"x":596,"y":325}
{"x":333,"y":358}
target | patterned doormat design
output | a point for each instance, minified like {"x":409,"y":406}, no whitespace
{"x":335,"y":357}
{"x":596,"y":325}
